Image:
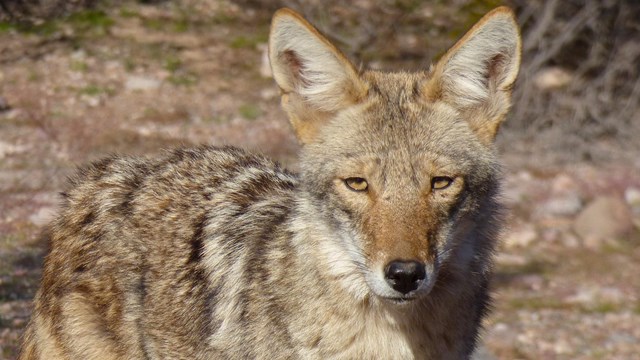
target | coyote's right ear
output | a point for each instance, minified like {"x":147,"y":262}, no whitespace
{"x":315,"y":78}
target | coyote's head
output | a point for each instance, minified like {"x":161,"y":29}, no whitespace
{"x":401,"y":165}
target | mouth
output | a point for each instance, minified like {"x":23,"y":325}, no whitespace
{"x":399,"y":300}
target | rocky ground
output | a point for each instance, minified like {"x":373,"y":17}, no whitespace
{"x":139,"y":78}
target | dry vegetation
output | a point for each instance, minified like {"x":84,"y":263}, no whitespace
{"x":580,"y":84}
{"x":82,"y":78}
{"x":579,"y":90}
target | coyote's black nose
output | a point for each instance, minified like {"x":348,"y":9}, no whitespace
{"x":404,"y":276}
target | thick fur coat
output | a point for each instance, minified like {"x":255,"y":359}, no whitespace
{"x":381,"y":248}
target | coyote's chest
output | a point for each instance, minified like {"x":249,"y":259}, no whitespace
{"x":375,"y":334}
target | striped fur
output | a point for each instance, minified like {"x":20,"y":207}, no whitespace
{"x":215,"y":253}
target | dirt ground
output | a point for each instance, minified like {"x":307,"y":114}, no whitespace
{"x":137,"y":78}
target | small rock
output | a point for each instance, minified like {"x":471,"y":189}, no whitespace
{"x":408,"y":41}
{"x":584,"y":296}
{"x":632,"y":197}
{"x":50,"y":198}
{"x":482,"y":353}
{"x":269,"y":93}
{"x":4,"y":104}
{"x":520,"y":237}
{"x":79,"y":55}
{"x":134,"y":83}
{"x":525,"y":175}
{"x":570,"y":241}
{"x":43,"y":216}
{"x":619,"y":338}
{"x":562,"y":346}
{"x":550,"y":235}
{"x":513,"y":195}
{"x":565,"y":205}
{"x":7,"y":149}
{"x":552,"y":78}
{"x":13,"y":114}
{"x":611,"y":295}
{"x":604,"y":219}
{"x":376,"y":65}
{"x":533,"y":282}
{"x":595,"y":243}
{"x":505,"y":259}
{"x":563,"y":184}
{"x":590,"y":295}
{"x":91,"y":101}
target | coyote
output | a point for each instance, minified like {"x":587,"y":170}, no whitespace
{"x":381,"y":248}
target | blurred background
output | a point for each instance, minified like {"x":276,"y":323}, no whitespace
{"x":80,"y":79}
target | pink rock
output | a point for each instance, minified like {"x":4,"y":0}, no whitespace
{"x":604,"y":219}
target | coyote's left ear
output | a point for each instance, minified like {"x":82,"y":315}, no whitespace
{"x":477,"y":74}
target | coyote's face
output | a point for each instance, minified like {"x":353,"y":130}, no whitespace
{"x":401,"y":165}
{"x":401,"y":175}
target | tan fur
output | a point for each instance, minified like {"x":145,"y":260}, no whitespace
{"x":215,"y":253}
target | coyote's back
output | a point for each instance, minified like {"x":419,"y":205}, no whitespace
{"x":380,"y":248}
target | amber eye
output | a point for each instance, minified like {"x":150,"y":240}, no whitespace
{"x":441,"y":182}
{"x":356,"y":184}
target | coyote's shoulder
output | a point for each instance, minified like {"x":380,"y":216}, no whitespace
{"x":129,"y":243}
{"x":380,"y":248}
